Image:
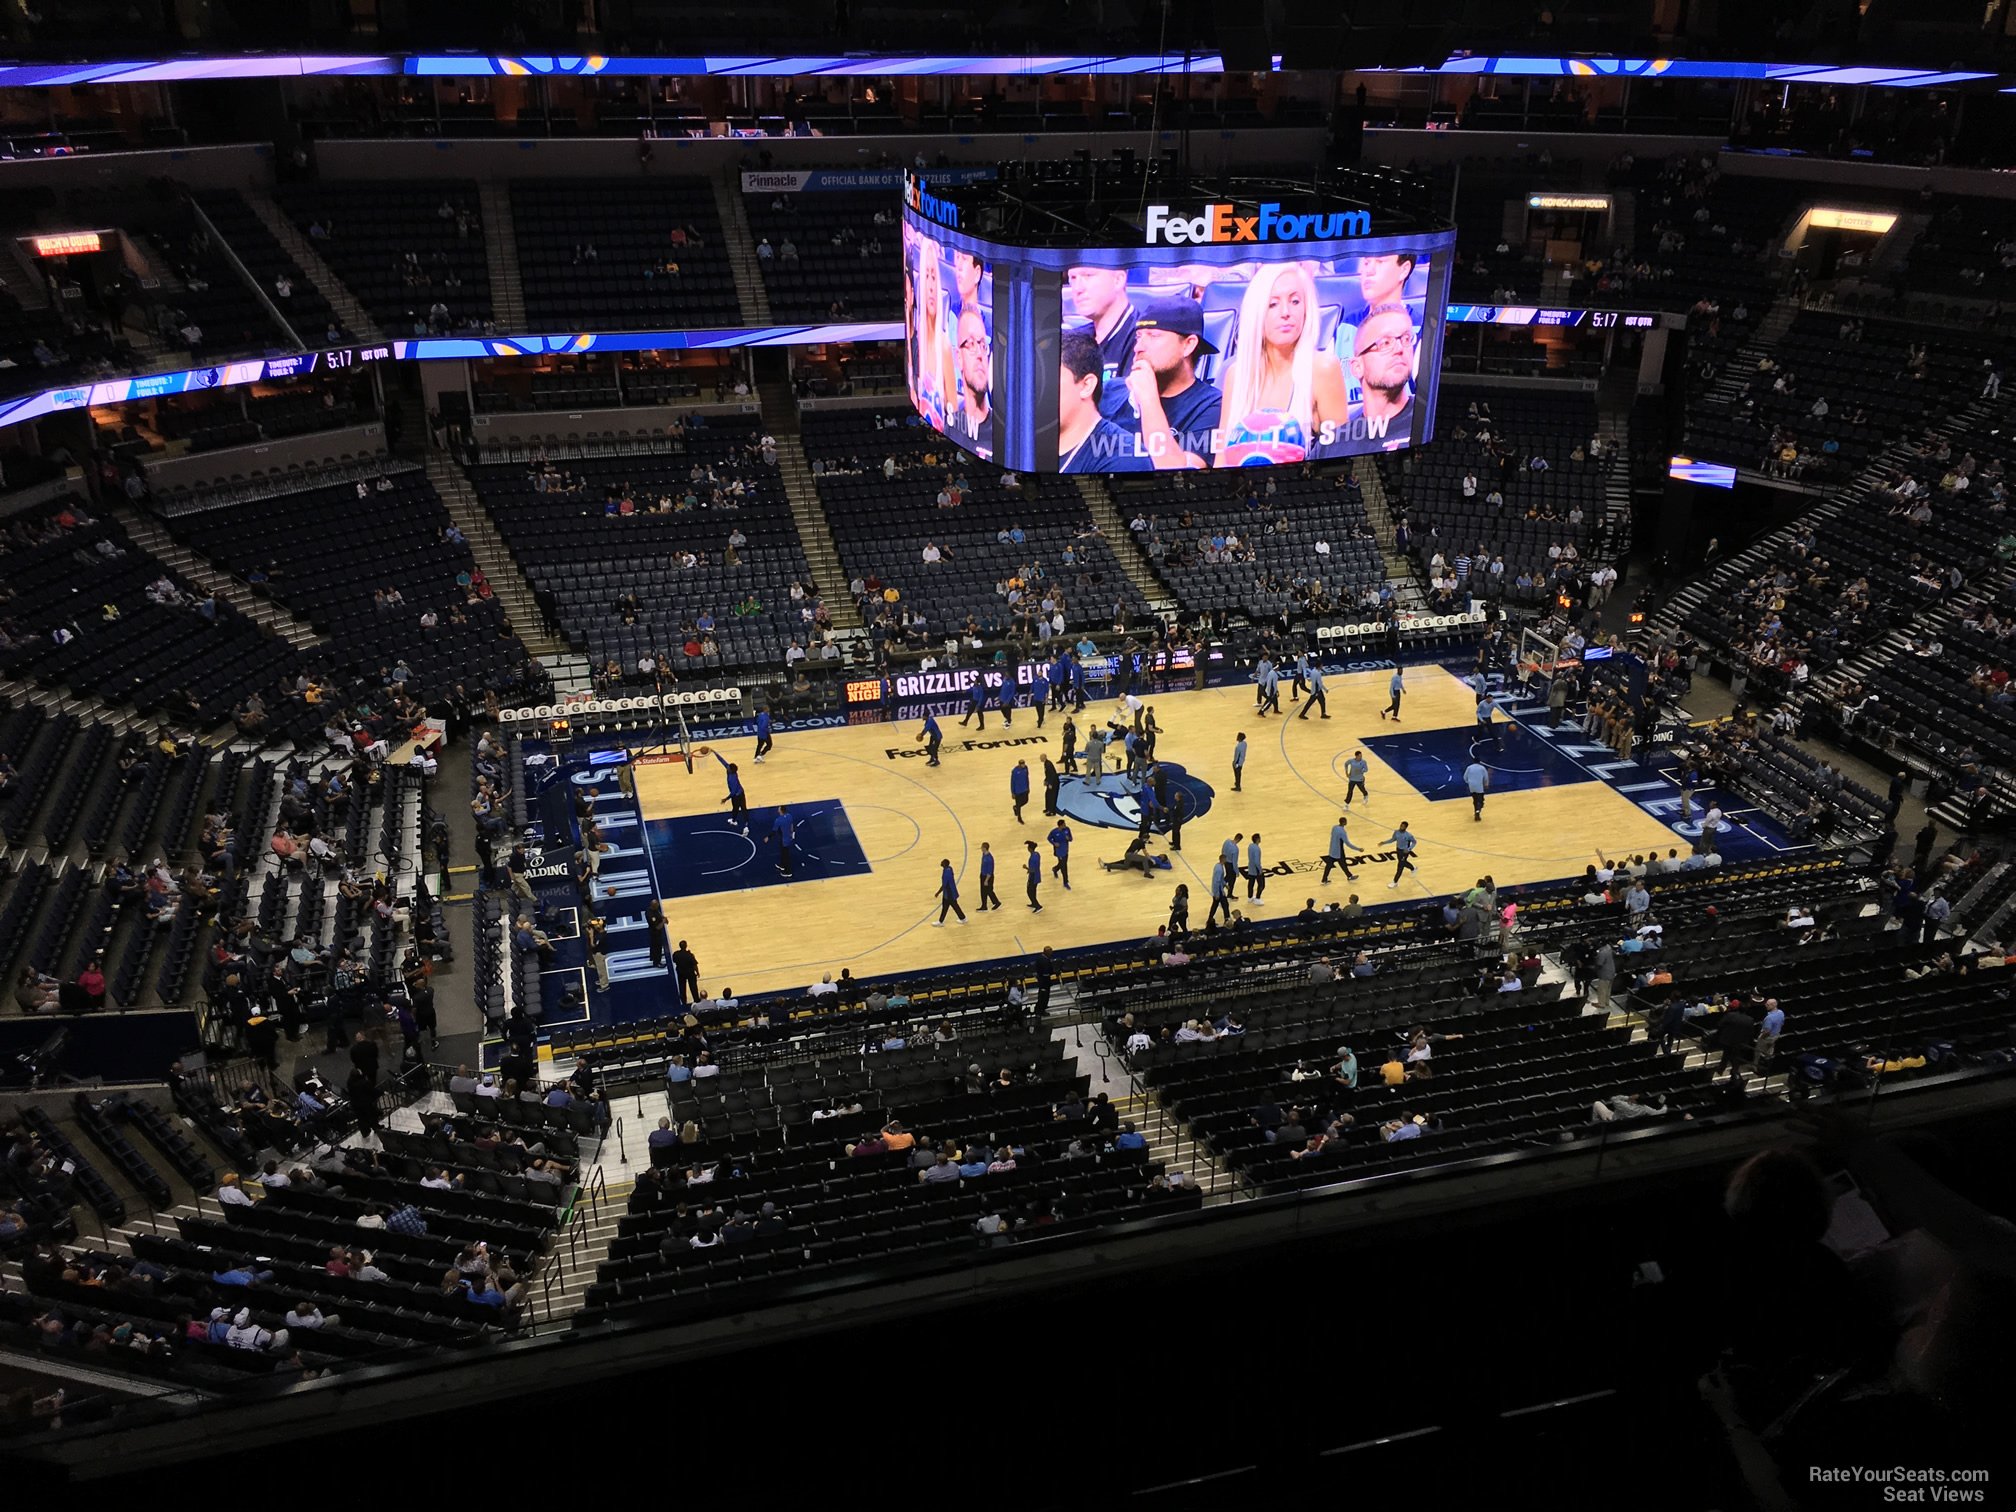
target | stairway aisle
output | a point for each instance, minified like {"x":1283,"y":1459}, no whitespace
{"x":829,"y":577}
{"x":749,"y":290}
{"x":60,"y":700}
{"x":352,"y":314}
{"x":1169,"y":1143}
{"x":1407,"y":592}
{"x":1106,"y":515}
{"x":492,"y":555}
{"x":1740,"y":369}
{"x":574,"y":1267}
{"x":153,"y":538}
{"x":1615,"y":398}
{"x":500,"y":252}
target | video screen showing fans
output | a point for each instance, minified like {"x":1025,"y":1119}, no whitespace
{"x":948,"y":331}
{"x":1248,"y":357}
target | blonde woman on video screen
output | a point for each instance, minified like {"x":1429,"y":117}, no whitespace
{"x":935,"y":378}
{"x":1281,"y":387}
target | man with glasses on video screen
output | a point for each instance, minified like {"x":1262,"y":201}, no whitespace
{"x":1382,"y":362}
{"x":1171,"y":409}
{"x":973,"y":418}
{"x":1382,"y":280}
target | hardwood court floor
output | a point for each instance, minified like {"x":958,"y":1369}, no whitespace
{"x":872,"y":908}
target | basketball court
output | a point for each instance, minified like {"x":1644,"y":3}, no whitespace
{"x":874,"y":819}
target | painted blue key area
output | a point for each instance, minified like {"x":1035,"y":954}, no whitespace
{"x":1432,"y":761}
{"x":1649,"y":780}
{"x":704,"y":853}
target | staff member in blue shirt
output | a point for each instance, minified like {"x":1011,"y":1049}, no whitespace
{"x":1403,"y":842}
{"x":976,"y":703}
{"x":1354,"y":778}
{"x":1221,"y":892}
{"x":1477,"y":777}
{"x":1486,"y":730}
{"x":1239,"y":762}
{"x":988,"y":897}
{"x":784,"y":827}
{"x":1396,"y":687}
{"x":1299,"y":683}
{"x":1340,"y":841}
{"x":1060,"y":847}
{"x":1035,"y":874}
{"x":1018,"y":788}
{"x":1256,"y":873}
{"x":737,"y":800}
{"x":763,"y":740}
{"x":931,"y":738}
{"x":1318,"y":696}
{"x":948,"y":895}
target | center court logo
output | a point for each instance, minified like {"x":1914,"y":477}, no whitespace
{"x":1116,"y":804}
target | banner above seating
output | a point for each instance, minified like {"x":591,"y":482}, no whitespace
{"x":829,"y":180}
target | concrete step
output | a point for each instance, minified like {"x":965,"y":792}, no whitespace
{"x":1106,"y":515}
{"x":500,"y":252}
{"x":749,"y":290}
{"x":349,"y":310}
{"x":507,"y":578}
{"x":153,"y":538}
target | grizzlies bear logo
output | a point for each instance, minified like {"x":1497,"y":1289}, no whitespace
{"x":1116,"y":803}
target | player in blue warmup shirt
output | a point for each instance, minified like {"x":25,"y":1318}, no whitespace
{"x":783,"y":827}
{"x":1060,"y":847}
{"x":1403,"y":842}
{"x":1018,"y":788}
{"x":1035,"y":873}
{"x":1039,"y":691}
{"x":931,"y":738}
{"x":763,"y":740}
{"x":976,"y":703}
{"x":948,"y":895}
{"x":737,"y":800}
{"x":988,"y":897}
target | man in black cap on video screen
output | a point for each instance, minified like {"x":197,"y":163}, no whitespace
{"x":1171,"y":409}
